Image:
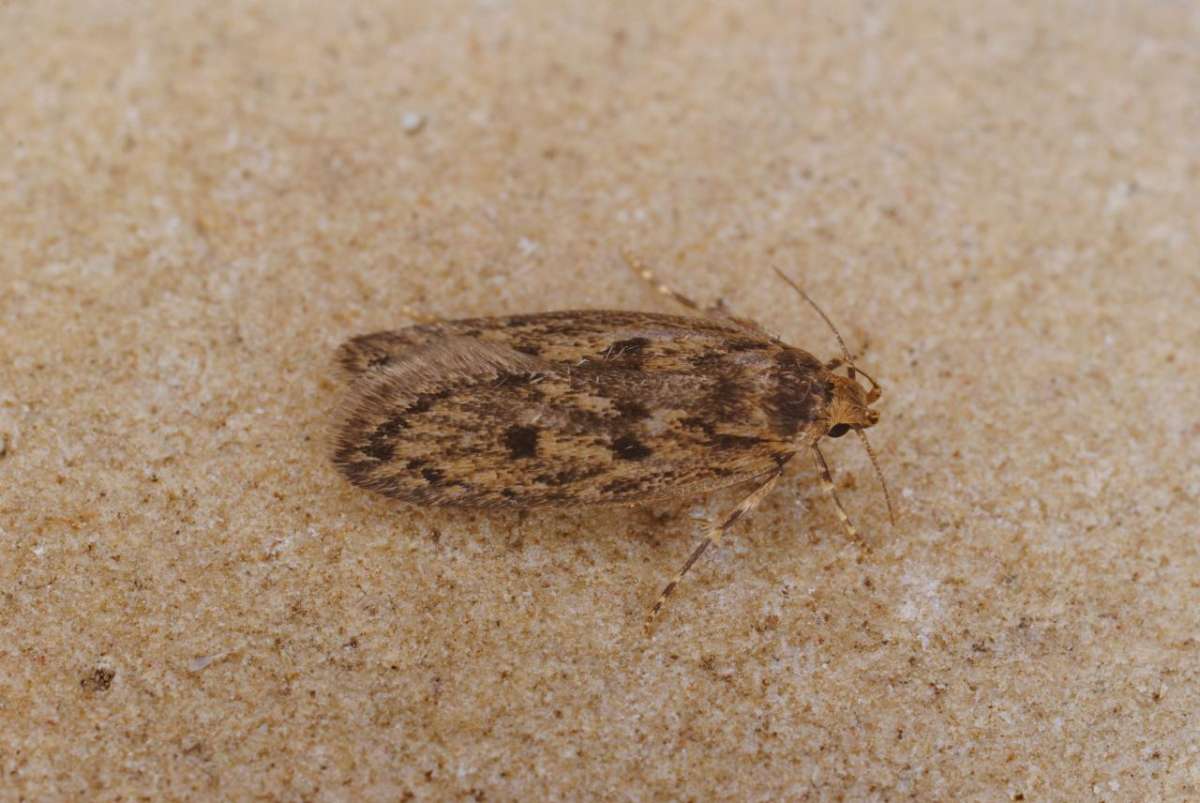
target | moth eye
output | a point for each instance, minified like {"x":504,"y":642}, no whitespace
{"x":838,"y":430}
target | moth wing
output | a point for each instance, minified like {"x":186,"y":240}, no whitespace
{"x":616,"y":407}
{"x":558,"y":337}
{"x":476,"y":424}
{"x":407,"y":383}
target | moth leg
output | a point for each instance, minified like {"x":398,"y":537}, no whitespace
{"x":421,"y":318}
{"x":827,"y":486}
{"x":718,"y":311}
{"x":713,"y":538}
{"x":647,"y":275}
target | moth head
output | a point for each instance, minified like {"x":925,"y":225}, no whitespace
{"x":850,"y":403}
{"x":850,"y":406}
{"x":850,"y":410}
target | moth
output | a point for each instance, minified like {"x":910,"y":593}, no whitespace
{"x":593,"y":407}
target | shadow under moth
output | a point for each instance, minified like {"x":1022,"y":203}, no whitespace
{"x":592,"y":407}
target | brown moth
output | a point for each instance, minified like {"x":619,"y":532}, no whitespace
{"x":591,"y":407}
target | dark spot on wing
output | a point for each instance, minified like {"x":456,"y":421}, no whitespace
{"x":379,"y":450}
{"x":432,"y":475}
{"x":727,"y":396}
{"x":628,"y":447}
{"x":631,"y":409}
{"x":379,"y":444}
{"x":521,"y":442}
{"x":748,"y":345}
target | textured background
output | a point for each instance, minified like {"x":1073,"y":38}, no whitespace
{"x":999,"y":202}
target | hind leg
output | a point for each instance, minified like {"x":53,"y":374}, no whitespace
{"x":713,"y":538}
{"x":718,"y":310}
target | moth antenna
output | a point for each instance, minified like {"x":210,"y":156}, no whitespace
{"x":827,"y":485}
{"x":712,"y":538}
{"x":845,"y":351}
{"x":876,"y":389}
{"x":887,"y":496}
{"x":821,"y":312}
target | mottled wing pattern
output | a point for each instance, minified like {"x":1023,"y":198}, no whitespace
{"x":591,"y":407}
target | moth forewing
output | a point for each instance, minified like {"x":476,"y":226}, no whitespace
{"x":570,"y":408}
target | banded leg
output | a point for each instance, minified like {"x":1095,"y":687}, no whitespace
{"x":418,"y":316}
{"x":827,"y":486}
{"x":640,"y":268}
{"x":713,"y":538}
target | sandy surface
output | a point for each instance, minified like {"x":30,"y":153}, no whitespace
{"x":998,"y":202}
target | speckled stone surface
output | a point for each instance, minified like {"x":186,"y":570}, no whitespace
{"x":998,"y":203}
